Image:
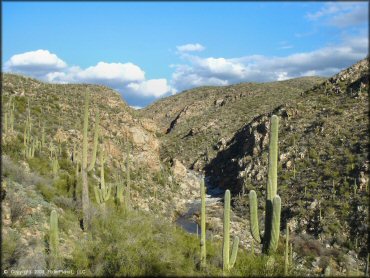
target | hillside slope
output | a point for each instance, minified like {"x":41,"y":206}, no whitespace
{"x":197,"y":122}
{"x":220,"y":131}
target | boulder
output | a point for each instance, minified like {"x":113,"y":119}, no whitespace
{"x":178,"y":169}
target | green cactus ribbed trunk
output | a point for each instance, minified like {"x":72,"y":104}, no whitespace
{"x":226,"y":239}
{"x":270,"y":238}
{"x":286,"y":253}
{"x":5,"y":126}
{"x":273,"y":157}
{"x":102,"y":193}
{"x":54,"y":239}
{"x":119,"y":192}
{"x":227,"y":262}
{"x":275,"y":224}
{"x":85,"y":187}
{"x":254,"y":216}
{"x":271,"y":182}
{"x":128,"y":179}
{"x":203,"y":225}
{"x":96,"y":139}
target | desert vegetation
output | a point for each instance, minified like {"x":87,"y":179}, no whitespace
{"x":92,"y":187}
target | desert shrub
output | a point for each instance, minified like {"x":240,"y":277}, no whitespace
{"x":308,"y":246}
{"x":47,"y":191}
{"x":136,"y":244}
{"x":61,"y":183}
{"x":10,"y":249}
{"x":17,"y":205}
{"x":64,"y":202}
{"x":40,"y":165}
{"x":18,"y":174}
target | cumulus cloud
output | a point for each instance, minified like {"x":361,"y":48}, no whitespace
{"x":37,"y":62}
{"x":190,"y":47}
{"x":124,"y":77}
{"x":325,"y":61}
{"x":151,"y":87}
{"x":112,"y":72}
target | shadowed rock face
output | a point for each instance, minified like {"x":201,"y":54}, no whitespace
{"x":241,"y":158}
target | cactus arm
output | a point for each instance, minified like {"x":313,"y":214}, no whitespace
{"x":275,"y":227}
{"x":234,"y":251}
{"x":254,"y":216}
{"x":203,"y":225}
{"x":97,"y":195}
{"x":109,"y":190}
{"x":102,"y":179}
{"x":226,"y":239}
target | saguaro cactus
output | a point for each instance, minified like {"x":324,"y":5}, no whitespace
{"x":128,"y":179}
{"x":119,"y":192}
{"x":54,"y":234}
{"x":273,"y":201}
{"x":95,"y":146}
{"x":85,"y":187}
{"x":286,"y":254}
{"x":203,"y":225}
{"x":102,"y":193}
{"x":228,"y":262}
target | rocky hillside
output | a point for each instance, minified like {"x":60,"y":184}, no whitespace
{"x":220,"y":132}
{"x":323,"y":153}
{"x":197,"y":123}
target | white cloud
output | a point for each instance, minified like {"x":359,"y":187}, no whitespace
{"x":150,"y":88}
{"x":124,"y":77}
{"x":190,"y":47}
{"x":325,"y":61}
{"x":38,"y":62}
{"x":112,"y":72}
{"x":341,"y":14}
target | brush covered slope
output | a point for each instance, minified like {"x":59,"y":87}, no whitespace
{"x":42,"y":136}
{"x":195,"y":124}
{"x":220,"y":131}
{"x":323,"y":158}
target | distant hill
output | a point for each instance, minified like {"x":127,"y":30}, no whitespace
{"x":196,"y":122}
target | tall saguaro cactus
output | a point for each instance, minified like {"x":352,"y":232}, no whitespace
{"x":273,"y":201}
{"x":119,"y":192}
{"x":203,"y":225}
{"x":128,"y":179}
{"x":85,"y":187}
{"x":54,"y":238}
{"x":95,"y":146}
{"x":228,"y":262}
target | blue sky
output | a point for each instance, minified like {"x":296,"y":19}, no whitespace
{"x":151,"y":50}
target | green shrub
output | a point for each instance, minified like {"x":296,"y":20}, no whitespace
{"x":10,"y":249}
{"x":47,"y":191}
